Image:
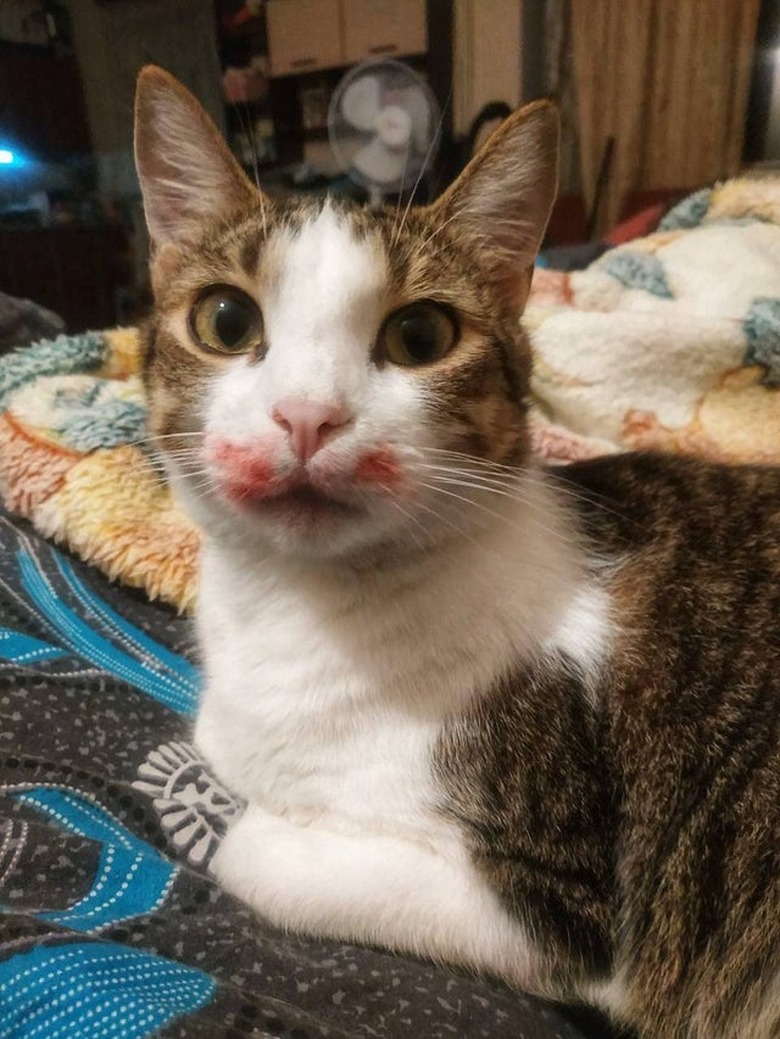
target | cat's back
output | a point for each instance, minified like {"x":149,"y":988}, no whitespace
{"x":690,"y":555}
{"x":695,"y":510}
{"x":690,"y":552}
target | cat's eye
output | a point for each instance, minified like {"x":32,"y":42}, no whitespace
{"x":227,"y":320}
{"x":418,"y":334}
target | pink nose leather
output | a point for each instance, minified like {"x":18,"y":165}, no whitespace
{"x":308,"y":424}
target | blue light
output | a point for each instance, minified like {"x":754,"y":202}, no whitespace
{"x":13,"y":160}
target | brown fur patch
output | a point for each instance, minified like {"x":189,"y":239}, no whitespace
{"x":645,"y":836}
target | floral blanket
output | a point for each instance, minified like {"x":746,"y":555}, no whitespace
{"x":670,"y":342}
{"x":74,"y":461}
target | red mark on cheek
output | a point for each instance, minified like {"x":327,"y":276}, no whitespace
{"x":380,"y":466}
{"x":241,"y":469}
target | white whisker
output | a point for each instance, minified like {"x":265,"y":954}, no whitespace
{"x":467,"y":501}
{"x":474,"y":485}
{"x":400,"y":193}
{"x":413,"y":519}
{"x":503,"y":517}
{"x":427,"y":241}
{"x":149,"y":437}
{"x":476,"y":460}
{"x":530,"y":477}
{"x":489,"y":479}
{"x":458,"y":529}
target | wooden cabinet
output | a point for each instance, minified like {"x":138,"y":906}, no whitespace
{"x":307,"y":35}
{"x":303,"y":36}
{"x":383,"y":28}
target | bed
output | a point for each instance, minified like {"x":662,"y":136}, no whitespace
{"x":109,"y":923}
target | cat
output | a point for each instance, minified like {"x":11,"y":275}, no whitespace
{"x":514,"y":718}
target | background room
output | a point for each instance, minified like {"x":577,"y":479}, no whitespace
{"x":657,"y":99}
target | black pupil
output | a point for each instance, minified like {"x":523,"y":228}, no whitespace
{"x":232,"y":321}
{"x":418,"y":334}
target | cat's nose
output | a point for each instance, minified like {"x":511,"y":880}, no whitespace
{"x":308,"y":424}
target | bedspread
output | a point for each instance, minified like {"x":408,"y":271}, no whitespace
{"x":109,"y":923}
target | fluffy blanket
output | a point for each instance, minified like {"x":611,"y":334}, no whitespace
{"x":74,"y":461}
{"x":671,"y":342}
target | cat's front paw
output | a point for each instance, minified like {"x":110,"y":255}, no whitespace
{"x":373,"y":888}
{"x":272,"y":865}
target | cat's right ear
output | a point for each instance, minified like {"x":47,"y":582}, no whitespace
{"x":500,"y":204}
{"x":187,"y":172}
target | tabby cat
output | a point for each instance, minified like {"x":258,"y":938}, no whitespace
{"x":519,"y":719}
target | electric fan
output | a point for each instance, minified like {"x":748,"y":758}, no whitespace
{"x":383,"y":123}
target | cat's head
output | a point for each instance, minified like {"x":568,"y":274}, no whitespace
{"x":325,"y":378}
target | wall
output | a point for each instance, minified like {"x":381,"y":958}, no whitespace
{"x":486,"y":58}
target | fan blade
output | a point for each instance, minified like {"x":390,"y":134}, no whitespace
{"x":360,"y":102}
{"x":378,"y":164}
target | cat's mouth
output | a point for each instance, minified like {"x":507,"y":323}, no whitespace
{"x":308,"y":500}
{"x":293,"y":500}
{"x":250,"y":481}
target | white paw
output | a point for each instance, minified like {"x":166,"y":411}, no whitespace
{"x":271,"y":865}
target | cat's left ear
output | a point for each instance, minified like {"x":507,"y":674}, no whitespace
{"x":501,"y":202}
{"x":188,"y":175}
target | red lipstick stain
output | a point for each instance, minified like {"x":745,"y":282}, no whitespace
{"x":242,"y":469}
{"x":380,"y":466}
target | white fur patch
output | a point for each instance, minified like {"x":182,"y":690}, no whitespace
{"x":413,"y":897}
{"x":585,"y":630}
{"x":322,"y":315}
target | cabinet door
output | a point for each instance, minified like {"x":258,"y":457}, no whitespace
{"x":383,"y":28}
{"x":303,"y":35}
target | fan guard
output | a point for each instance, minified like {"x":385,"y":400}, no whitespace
{"x":383,"y":123}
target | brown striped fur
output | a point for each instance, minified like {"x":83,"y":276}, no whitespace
{"x":644,"y":840}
